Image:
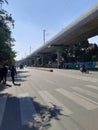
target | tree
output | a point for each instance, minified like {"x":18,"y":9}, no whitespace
{"x":6,"y":41}
{"x":2,"y":1}
{"x":81,"y":52}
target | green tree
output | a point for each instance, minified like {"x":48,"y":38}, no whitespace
{"x":7,"y":54}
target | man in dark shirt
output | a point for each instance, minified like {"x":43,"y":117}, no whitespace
{"x":13,"y":72}
{"x":4,"y":74}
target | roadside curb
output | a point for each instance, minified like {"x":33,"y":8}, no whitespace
{"x":50,"y":70}
{"x":44,"y":69}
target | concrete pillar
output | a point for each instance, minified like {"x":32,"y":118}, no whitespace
{"x":58,"y":51}
{"x":42,"y":59}
{"x":35,"y":61}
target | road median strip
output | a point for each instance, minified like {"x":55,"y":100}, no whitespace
{"x":50,"y":70}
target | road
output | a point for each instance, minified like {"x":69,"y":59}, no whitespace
{"x":44,"y":100}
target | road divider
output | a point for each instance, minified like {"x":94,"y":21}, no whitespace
{"x":44,"y":69}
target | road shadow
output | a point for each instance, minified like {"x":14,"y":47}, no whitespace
{"x":22,"y":71}
{"x":17,"y":84}
{"x":2,"y":86}
{"x":19,"y":78}
{"x":41,"y":120}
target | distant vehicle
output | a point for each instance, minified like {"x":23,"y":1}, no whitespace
{"x":83,"y":69}
{"x":21,"y":66}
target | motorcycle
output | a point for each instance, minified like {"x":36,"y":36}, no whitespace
{"x":83,"y":69}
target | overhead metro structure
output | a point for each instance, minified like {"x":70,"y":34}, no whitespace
{"x":83,"y":28}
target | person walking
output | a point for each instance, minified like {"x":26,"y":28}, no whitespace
{"x":13,"y":73}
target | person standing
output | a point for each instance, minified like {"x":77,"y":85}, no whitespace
{"x":4,"y":74}
{"x":13,"y":73}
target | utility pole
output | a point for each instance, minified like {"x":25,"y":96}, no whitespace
{"x":30,"y":50}
{"x":30,"y":56}
{"x":44,"y":35}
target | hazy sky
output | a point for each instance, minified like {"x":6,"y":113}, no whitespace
{"x":33,"y":16}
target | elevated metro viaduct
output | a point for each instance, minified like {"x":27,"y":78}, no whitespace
{"x":83,"y":28}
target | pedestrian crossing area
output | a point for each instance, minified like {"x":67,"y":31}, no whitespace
{"x":2,"y":106}
{"x":75,"y":98}
{"x":49,"y":99}
{"x":85,"y":97}
{"x":80,"y":77}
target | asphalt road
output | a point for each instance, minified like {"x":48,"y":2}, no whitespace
{"x":44,"y":100}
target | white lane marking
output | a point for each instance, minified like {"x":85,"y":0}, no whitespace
{"x":90,"y":100}
{"x":92,"y":86}
{"x":89,"y":79}
{"x":77,"y":99}
{"x":27,"y":109}
{"x":23,"y":95}
{"x":3,"y":100}
{"x":50,"y":101}
{"x":86,"y":92}
{"x":49,"y":81}
{"x":80,"y":77}
{"x":85,"y":78}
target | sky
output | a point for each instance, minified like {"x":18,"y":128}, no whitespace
{"x":33,"y":16}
